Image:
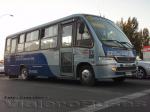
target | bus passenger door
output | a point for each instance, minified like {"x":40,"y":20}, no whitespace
{"x":66,"y":50}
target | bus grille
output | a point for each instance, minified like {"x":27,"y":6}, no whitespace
{"x":119,"y":69}
{"x":125,"y":59}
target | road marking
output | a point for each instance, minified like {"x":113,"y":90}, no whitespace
{"x":112,"y":102}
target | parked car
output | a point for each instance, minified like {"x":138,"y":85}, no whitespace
{"x":143,"y":70}
{"x":1,"y":68}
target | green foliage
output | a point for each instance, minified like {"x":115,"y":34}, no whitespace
{"x":137,"y":38}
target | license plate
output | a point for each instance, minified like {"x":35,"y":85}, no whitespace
{"x":127,"y":65}
{"x":128,"y":73}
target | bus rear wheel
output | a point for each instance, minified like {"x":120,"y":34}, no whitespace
{"x":87,"y":76}
{"x":24,"y":74}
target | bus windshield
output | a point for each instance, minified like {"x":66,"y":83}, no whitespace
{"x":108,"y":32}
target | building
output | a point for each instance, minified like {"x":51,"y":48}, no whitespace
{"x":146,"y":52}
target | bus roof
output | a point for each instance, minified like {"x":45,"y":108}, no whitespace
{"x":50,"y":23}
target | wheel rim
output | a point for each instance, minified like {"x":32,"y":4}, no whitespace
{"x":86,"y":75}
{"x":140,"y":74}
{"x":24,"y":74}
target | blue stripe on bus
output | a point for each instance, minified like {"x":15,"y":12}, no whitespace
{"x":109,"y":51}
{"x":36,"y":64}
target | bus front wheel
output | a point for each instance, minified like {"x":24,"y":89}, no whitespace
{"x":87,"y":76}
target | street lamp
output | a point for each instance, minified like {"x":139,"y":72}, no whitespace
{"x":6,"y":15}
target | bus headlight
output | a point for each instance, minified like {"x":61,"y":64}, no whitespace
{"x":107,"y":60}
{"x":114,"y":69}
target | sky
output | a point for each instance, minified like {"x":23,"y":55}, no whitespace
{"x":30,"y":13}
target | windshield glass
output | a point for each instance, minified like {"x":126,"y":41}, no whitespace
{"x":108,"y":32}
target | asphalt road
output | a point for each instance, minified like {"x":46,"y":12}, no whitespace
{"x":45,"y":95}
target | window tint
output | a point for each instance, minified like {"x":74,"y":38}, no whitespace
{"x":31,"y":46}
{"x":8,"y":45}
{"x":32,"y":36}
{"x":13,"y":45}
{"x":67,"y":36}
{"x":49,"y":43}
{"x":83,"y":39}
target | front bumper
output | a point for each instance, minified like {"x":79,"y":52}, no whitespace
{"x":114,"y":70}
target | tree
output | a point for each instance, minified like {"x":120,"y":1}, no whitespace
{"x":145,"y":36}
{"x":137,"y":38}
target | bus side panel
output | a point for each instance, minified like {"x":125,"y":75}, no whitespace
{"x":11,"y":67}
{"x":36,"y":63}
{"x":44,"y":63}
{"x":52,"y":57}
{"x":41,"y":63}
{"x":83,"y":55}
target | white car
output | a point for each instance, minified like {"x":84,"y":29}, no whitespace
{"x":143,"y":70}
{"x":1,"y":68}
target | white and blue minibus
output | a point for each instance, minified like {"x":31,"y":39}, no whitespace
{"x":81,"y":46}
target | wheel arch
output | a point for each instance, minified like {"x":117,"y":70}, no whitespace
{"x":22,"y":66}
{"x":82,"y":64}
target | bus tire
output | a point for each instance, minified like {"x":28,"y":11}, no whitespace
{"x":24,"y":74}
{"x":119,"y":79}
{"x":87,"y":76}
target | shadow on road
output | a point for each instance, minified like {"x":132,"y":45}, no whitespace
{"x":106,"y":84}
{"x":128,"y":83}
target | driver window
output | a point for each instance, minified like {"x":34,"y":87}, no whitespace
{"x":84,"y":38}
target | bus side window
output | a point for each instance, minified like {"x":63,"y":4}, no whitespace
{"x":8,"y":41}
{"x":83,"y":36}
{"x":13,"y":45}
{"x":21,"y":43}
{"x":42,"y":34}
{"x":32,"y":36}
{"x":49,"y":37}
{"x":67,"y":35}
{"x":32,"y":41}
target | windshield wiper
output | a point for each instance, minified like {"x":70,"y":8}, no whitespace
{"x":127,"y":44}
{"x":116,"y":41}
